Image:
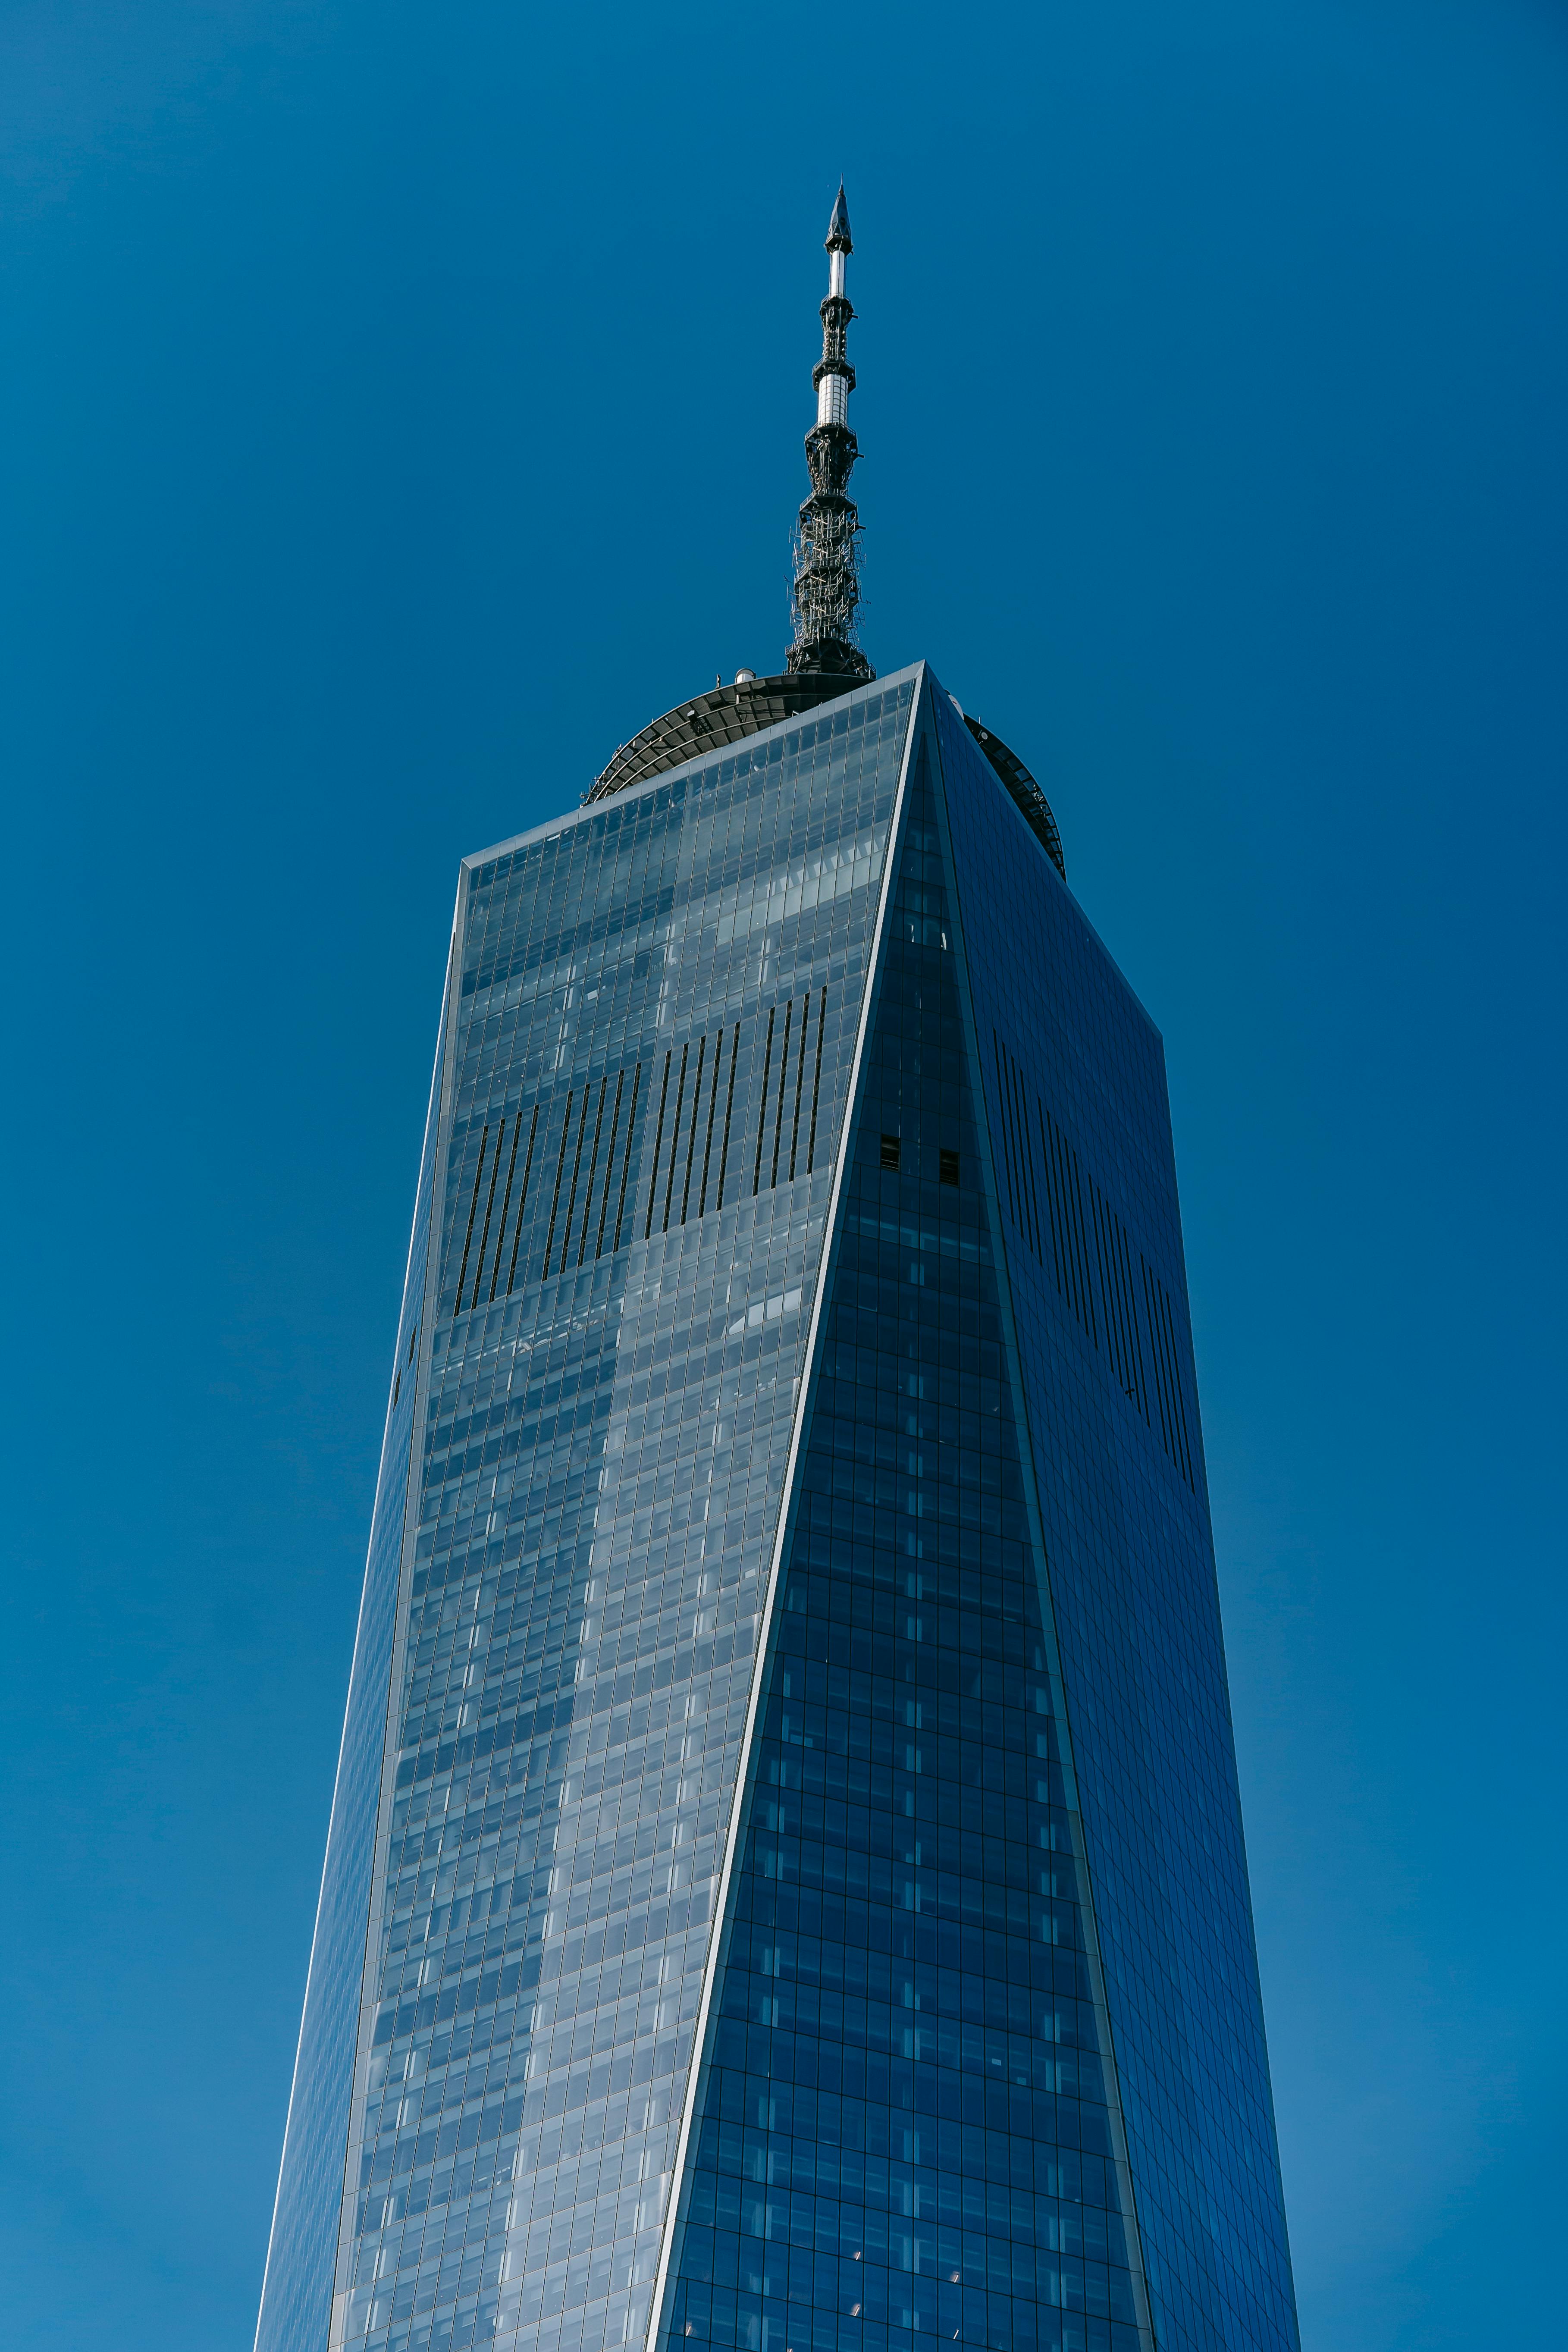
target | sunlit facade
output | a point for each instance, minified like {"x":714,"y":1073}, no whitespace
{"x":785,"y":1884}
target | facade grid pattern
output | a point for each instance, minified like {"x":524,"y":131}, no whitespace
{"x":1128,"y":1538}
{"x":971,"y":2048}
{"x":599,"y":1465}
{"x":302,"y":2248}
{"x":907,"y":2123}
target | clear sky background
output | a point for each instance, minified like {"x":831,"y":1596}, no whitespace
{"x":398,"y":407}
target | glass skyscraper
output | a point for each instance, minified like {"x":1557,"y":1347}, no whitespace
{"x":785,"y":1888}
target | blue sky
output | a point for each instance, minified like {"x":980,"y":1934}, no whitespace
{"x":397,"y":409}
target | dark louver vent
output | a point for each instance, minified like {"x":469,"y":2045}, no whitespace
{"x":568,"y":1179}
{"x":1070,"y":1226}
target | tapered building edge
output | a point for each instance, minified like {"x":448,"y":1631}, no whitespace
{"x":284,"y":2335}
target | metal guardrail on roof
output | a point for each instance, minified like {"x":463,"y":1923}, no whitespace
{"x":728,"y":714}
{"x":1024,"y":791}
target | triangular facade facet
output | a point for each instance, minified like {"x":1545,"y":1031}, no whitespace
{"x":908,"y":2126}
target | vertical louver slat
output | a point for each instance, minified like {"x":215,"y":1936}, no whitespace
{"x":783,"y":1082}
{"x":1027,"y":1180}
{"x":1122,"y":1257}
{"x":484,"y":1232}
{"x":1076,"y":1247}
{"x":1017,"y":1146}
{"x":1091,"y":1252}
{"x":1061,"y":1213}
{"x":609,"y":1167}
{"x":729,"y":1113}
{"x":692,"y":1136}
{"x":1035,"y":1219}
{"x":1116,"y":1297}
{"x":1116,"y":1337}
{"x":473,"y":1208}
{"x":1058,"y":1253}
{"x":571,"y":1195}
{"x":657,"y":1145}
{"x":522,"y":1201}
{"x":1167,"y":1375}
{"x":505,"y":1211}
{"x":1006,"y":1138}
{"x":593,"y":1170}
{"x":762,"y":1113}
{"x":675,"y":1137}
{"x":799,"y":1086}
{"x":556,"y":1196}
{"x":707,"y":1138}
{"x":1081,"y":1238}
{"x":627,"y":1154}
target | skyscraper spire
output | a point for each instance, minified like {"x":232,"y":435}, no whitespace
{"x":825,"y":589}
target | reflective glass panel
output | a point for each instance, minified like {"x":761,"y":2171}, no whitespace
{"x":906,"y":2132}
{"x":1074,"y":1083}
{"x":653,"y":1013}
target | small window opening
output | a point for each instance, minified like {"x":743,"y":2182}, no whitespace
{"x":413,"y":1341}
{"x":950,"y":1167}
{"x":889,"y":1151}
{"x":396,"y":1386}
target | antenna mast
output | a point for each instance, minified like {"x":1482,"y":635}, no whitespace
{"x":827,"y":591}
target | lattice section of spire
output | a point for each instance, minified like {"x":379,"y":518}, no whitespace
{"x":827,"y":591}
{"x":827,"y":585}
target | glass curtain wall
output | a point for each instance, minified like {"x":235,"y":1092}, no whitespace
{"x":1074,"y":1077}
{"x":941,"y":2095}
{"x":907,"y":2131}
{"x":648,"y":1062}
{"x":296,"y":2290}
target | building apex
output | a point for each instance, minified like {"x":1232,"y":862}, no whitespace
{"x":838,"y":239}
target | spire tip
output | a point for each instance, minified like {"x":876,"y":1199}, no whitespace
{"x":838,"y":239}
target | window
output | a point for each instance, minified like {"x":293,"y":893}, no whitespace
{"x":950,"y":1167}
{"x":889,"y":1151}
